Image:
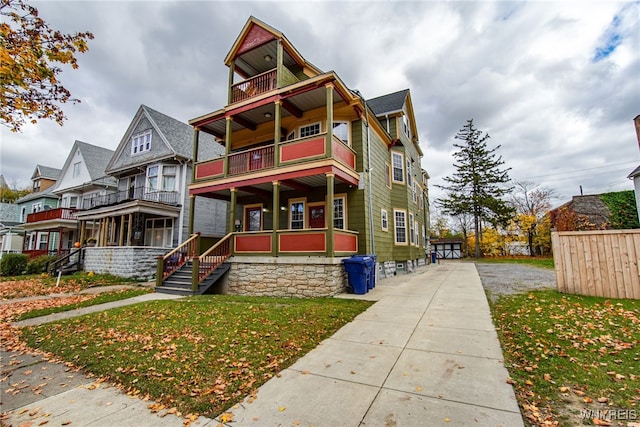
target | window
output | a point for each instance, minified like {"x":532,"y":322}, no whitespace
{"x":409,"y":173}
{"x":36,"y":186}
{"x":405,"y":127}
{"x":76,"y":169}
{"x":338,"y":213}
{"x":23,"y":214}
{"x":415,"y":193}
{"x":152,"y":177}
{"x":412,"y":231}
{"x":73,"y":201}
{"x":141,"y":142}
{"x":159,"y":232}
{"x":42,"y":241}
{"x":291,"y":135}
{"x":341,"y":130}
{"x":309,"y":130}
{"x":384,"y":216}
{"x":296,"y":215}
{"x":400,"y":225}
{"x":387,"y":175}
{"x":36,"y":207}
{"x":397,"y":160}
{"x":168,"y":178}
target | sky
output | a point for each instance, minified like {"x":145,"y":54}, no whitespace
{"x":555,"y":84}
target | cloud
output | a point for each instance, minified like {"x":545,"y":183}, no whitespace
{"x":525,"y":72}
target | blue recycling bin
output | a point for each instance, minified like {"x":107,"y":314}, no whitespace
{"x":434,"y":257}
{"x":372,"y":272}
{"x":358,"y":269}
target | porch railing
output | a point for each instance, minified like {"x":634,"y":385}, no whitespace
{"x":171,"y":262}
{"x":211,"y":259}
{"x":57,"y":213}
{"x":257,"y":85}
{"x":251,"y":160}
{"x":138,"y":193}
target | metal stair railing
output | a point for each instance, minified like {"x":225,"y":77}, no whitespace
{"x":67,"y":260}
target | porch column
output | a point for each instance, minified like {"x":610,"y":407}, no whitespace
{"x":121,"y":238}
{"x":60,"y":240}
{"x":329,"y":137}
{"x":130,"y":229}
{"x":277,"y":131}
{"x":276,"y":218}
{"x":330,"y":193}
{"x":192,"y":212}
{"x":227,"y":144}
{"x":232,"y":208}
{"x":279,"y":64}
{"x":83,"y":232}
{"x":232,"y":70}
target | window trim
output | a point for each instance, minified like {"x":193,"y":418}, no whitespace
{"x":412,"y":230}
{"x":395,"y":227}
{"x":245,"y":208}
{"x":302,"y":200}
{"x":387,"y":178}
{"x":393,"y":167}
{"x":342,"y":196}
{"x":384,"y":220}
{"x":139,"y":146}
{"x":319,"y":124}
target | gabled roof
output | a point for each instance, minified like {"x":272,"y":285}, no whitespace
{"x":95,"y":160}
{"x":46,"y":172}
{"x":390,"y":103}
{"x":176,"y":136}
{"x":636,"y":172}
{"x":256,"y":33}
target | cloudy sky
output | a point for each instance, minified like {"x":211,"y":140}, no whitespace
{"x":556,"y":84}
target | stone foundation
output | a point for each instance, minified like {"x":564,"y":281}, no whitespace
{"x":286,"y":276}
{"x":134,"y":262}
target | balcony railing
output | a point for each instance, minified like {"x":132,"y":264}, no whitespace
{"x":52,"y":214}
{"x":257,"y":85}
{"x":138,"y":193}
{"x":251,"y":160}
{"x":299,"y":150}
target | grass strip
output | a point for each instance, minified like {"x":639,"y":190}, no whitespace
{"x":200,"y":355}
{"x":572,"y":359}
{"x":533,"y":261}
{"x":99,"y":299}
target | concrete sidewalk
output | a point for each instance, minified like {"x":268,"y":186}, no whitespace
{"x":425,"y":354}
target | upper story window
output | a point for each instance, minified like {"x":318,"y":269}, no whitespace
{"x":405,"y":127}
{"x":23,"y":214}
{"x":341,"y":130}
{"x":76,"y":169}
{"x":409,"y":172}
{"x":309,"y":130}
{"x":36,"y":186}
{"x":168,"y":178}
{"x":397,"y":160}
{"x":70,"y":201}
{"x":141,"y":142}
{"x":36,"y":207}
{"x":152,"y":177}
{"x":384,"y":218}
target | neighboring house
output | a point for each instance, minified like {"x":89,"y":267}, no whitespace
{"x":150,"y":169}
{"x":313,"y":172}
{"x":635,"y":175}
{"x":586,"y":212}
{"x":82,"y":177}
{"x":39,"y":241}
{"x":11,"y":234}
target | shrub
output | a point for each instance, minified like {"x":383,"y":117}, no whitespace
{"x":40,"y":264}
{"x":13,"y":264}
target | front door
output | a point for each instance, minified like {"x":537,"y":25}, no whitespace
{"x":316,"y":216}
{"x":253,"y":219}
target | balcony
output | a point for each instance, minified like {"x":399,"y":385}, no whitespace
{"x":133,"y":194}
{"x":262,"y":158}
{"x":262,"y":83}
{"x":52,"y":214}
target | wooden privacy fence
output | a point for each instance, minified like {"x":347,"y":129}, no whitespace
{"x":604,"y":263}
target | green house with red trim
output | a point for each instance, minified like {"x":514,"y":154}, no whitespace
{"x":313,"y":173}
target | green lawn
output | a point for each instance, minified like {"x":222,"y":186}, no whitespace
{"x":567,"y":354}
{"x":200,"y":354}
{"x":534,"y":261}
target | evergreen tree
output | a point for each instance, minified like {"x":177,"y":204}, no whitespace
{"x":476,"y":186}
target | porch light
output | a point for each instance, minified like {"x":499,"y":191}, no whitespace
{"x":267,"y":58}
{"x":283,"y":208}
{"x":267,"y":115}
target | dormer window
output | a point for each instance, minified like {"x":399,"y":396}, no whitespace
{"x":405,"y":127}
{"x":36,"y":186}
{"x":141,"y":142}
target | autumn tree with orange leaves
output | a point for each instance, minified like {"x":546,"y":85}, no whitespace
{"x":31,"y":54}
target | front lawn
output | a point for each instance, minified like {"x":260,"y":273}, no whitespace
{"x":199,"y":355}
{"x":573,"y":360}
{"x":43,"y":284}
